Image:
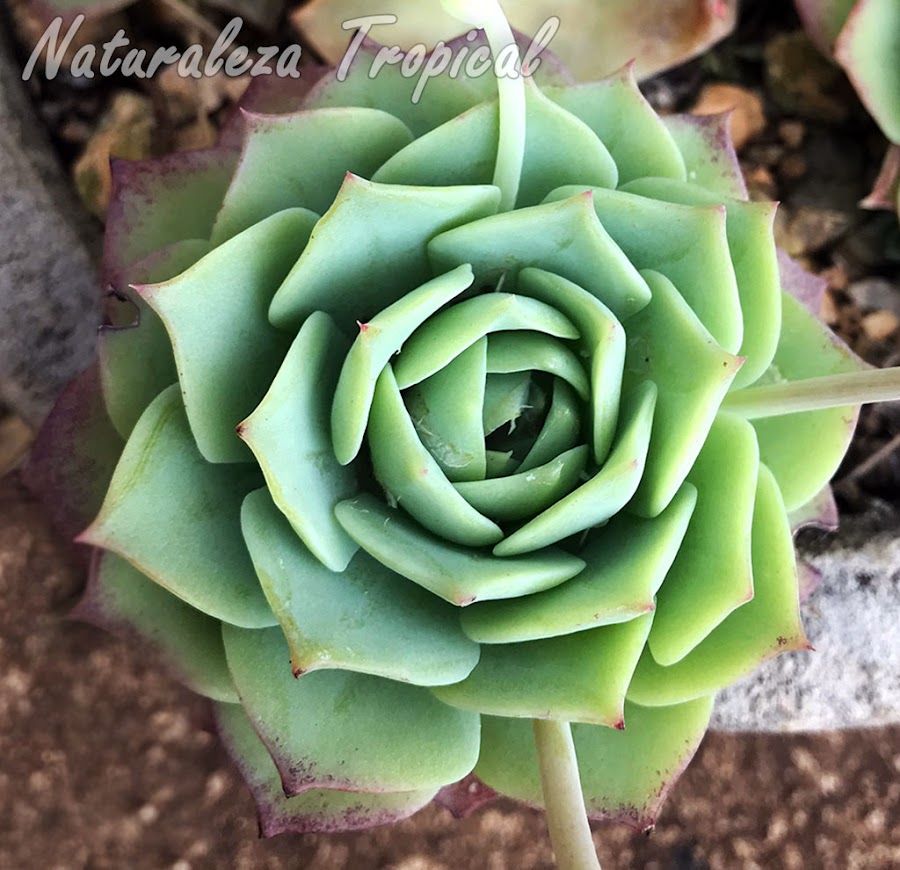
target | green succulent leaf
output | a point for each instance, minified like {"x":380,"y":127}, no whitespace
{"x":602,"y":342}
{"x":625,"y":775}
{"x":626,"y":562}
{"x":606,"y":493}
{"x":615,"y":109}
{"x":216,"y":313}
{"x":412,"y":477}
{"x":387,"y":228}
{"x":562,"y":237}
{"x":377,"y":342}
{"x":561,"y":430}
{"x":342,"y":730}
{"x":559,"y":149}
{"x":505,"y":398}
{"x":315,"y":810}
{"x":804,"y":450}
{"x":713,"y":573}
{"x":274,"y":174}
{"x":290,"y":435}
{"x":687,"y":244}
{"x":193,"y":547}
{"x":123,"y":600}
{"x":457,"y":574}
{"x":447,"y":411}
{"x":367,"y":619}
{"x":668,"y":345}
{"x":749,"y":230}
{"x":445,"y":336}
{"x":537,"y":679}
{"x":756,"y":631}
{"x":136,"y":363}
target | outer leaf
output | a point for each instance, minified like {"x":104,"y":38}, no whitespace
{"x":411,"y":476}
{"x":824,"y":20}
{"x":670,"y":346}
{"x":757,"y":631}
{"x":274,"y":173}
{"x":215,"y":314}
{"x":194,"y":547}
{"x":136,"y":363}
{"x":559,"y":149}
{"x":804,"y":450}
{"x":377,"y":342}
{"x":352,"y":732}
{"x":687,"y":244}
{"x":367,"y":619}
{"x":290,"y":435}
{"x":713,"y":572}
{"x":708,"y":150}
{"x":627,"y":561}
{"x":606,"y":493}
{"x":459,"y":575}
{"x":626,"y":123}
{"x":316,"y":810}
{"x":749,"y":231}
{"x":373,"y":237}
{"x":122,"y":600}
{"x":562,"y":237}
{"x":156,"y":203}
{"x":73,"y":458}
{"x":869,"y":49}
{"x":579,"y":677}
{"x":625,"y":775}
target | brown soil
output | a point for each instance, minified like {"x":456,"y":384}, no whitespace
{"x":108,"y":764}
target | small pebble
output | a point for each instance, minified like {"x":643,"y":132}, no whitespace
{"x":748,"y":120}
{"x":880,"y":325}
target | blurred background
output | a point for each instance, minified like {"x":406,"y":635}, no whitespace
{"x":108,"y":763}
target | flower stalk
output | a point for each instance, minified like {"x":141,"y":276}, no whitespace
{"x":815,"y":394}
{"x":488,"y":16}
{"x":567,"y":821}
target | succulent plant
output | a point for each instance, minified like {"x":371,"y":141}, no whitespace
{"x":863,"y":36}
{"x":445,"y":424}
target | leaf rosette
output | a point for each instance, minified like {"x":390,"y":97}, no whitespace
{"x":392,"y":471}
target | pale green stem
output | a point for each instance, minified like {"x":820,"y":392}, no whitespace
{"x":488,"y":15}
{"x":815,"y":394}
{"x":567,"y":820}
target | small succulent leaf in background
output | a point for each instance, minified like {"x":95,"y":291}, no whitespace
{"x":656,"y":35}
{"x":413,"y":469}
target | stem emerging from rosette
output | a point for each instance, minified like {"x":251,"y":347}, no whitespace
{"x":815,"y":394}
{"x":567,"y":821}
{"x":487,"y":15}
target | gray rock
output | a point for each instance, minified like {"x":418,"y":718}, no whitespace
{"x":49,"y":296}
{"x":853,"y":677}
{"x":875,"y":294}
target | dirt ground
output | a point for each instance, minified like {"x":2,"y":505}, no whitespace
{"x":108,"y":764}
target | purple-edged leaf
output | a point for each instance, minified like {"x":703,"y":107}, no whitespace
{"x":156,"y":203}
{"x":823,"y":20}
{"x":339,"y":729}
{"x":809,"y":578}
{"x":766,"y":626}
{"x":820,"y":512}
{"x":176,"y":517}
{"x":123,"y":601}
{"x":136,"y":361}
{"x":314,"y":811}
{"x":708,"y":151}
{"x":625,"y":775}
{"x":464,"y":797}
{"x":73,"y":458}
{"x":803,"y":286}
{"x":216,"y":314}
{"x":886,"y":190}
{"x":868,"y":48}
